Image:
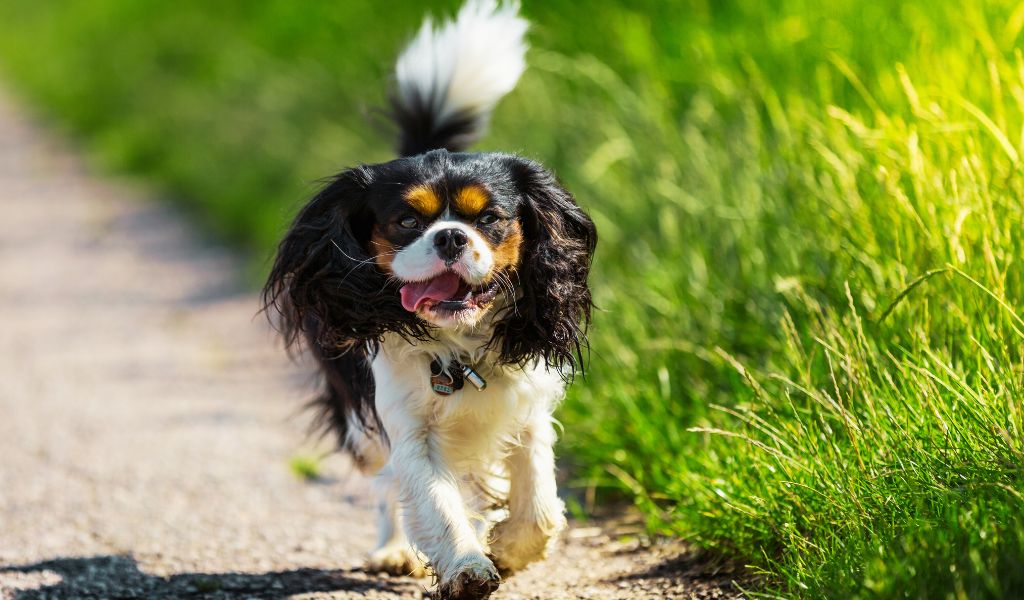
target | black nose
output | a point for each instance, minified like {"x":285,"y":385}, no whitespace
{"x":450,"y":243}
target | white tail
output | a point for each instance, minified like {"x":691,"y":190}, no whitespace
{"x":451,"y":77}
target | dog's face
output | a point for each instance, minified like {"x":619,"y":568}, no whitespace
{"x":453,"y":242}
{"x":440,"y":240}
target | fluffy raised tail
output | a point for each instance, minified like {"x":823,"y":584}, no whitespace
{"x":449,"y":78}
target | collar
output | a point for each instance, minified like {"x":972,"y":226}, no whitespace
{"x":445,"y":381}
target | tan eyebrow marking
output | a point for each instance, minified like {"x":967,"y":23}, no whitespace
{"x":423,"y":200}
{"x":471,"y":200}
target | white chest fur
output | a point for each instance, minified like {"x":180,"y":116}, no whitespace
{"x":470,"y":426}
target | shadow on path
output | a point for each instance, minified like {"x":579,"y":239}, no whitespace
{"x":691,"y":572}
{"x":119,"y":577}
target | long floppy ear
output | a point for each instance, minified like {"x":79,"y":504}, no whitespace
{"x":551,"y":317}
{"x":324,"y":285}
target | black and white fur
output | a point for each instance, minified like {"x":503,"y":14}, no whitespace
{"x":467,"y":481}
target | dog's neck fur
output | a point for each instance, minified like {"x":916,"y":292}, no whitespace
{"x":468,"y":344}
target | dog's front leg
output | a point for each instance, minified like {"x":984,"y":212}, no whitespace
{"x":536,"y":514}
{"x":436,"y":518}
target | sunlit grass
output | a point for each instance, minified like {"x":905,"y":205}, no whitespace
{"x":808,"y":353}
{"x":305,"y":466}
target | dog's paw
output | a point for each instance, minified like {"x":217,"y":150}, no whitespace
{"x":396,"y":560}
{"x":516,"y":544}
{"x":473,"y":578}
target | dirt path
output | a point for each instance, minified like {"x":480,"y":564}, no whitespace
{"x":147,"y":419}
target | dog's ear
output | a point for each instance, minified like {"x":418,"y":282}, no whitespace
{"x":324,"y":284}
{"x":551,"y":316}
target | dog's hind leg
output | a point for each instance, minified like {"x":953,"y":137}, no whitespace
{"x":394,"y":553}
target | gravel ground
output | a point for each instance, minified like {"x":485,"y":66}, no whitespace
{"x":148,"y":415}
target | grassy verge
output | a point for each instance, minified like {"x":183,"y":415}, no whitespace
{"x":809,"y":353}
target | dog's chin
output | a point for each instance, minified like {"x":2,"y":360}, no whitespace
{"x":467,"y":312}
{"x":448,"y":318}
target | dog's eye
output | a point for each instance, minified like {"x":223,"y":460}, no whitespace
{"x":487,"y":218}
{"x":409,"y":223}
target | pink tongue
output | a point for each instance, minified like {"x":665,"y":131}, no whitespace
{"x":442,"y":287}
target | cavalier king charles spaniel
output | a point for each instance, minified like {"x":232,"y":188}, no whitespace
{"x":444,"y":295}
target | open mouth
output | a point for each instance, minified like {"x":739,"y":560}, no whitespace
{"x":446,"y":292}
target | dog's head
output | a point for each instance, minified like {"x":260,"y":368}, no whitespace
{"x":440,"y":240}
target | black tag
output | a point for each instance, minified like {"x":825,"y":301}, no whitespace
{"x":445,"y":383}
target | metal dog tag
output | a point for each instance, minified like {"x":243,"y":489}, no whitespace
{"x":443,"y":382}
{"x":478,"y":382}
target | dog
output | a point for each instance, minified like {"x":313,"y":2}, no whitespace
{"x":444,"y":295}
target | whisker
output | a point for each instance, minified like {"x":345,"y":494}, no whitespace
{"x":358,"y":262}
{"x":505,"y":283}
{"x":362,"y":262}
{"x":512,"y":291}
{"x":390,"y":279}
{"x":345,"y":254}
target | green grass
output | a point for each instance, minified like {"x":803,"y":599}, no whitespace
{"x":305,"y":466}
{"x":809,"y":349}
